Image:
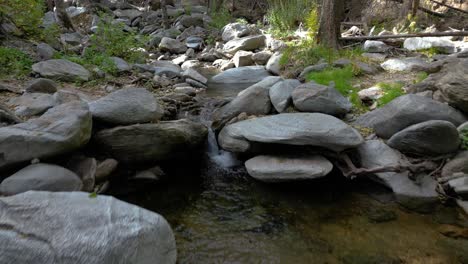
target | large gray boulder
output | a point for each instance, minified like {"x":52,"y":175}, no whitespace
{"x":127,"y":106}
{"x":31,"y":104}
{"x":242,"y":76}
{"x":62,"y":70}
{"x":42,"y":85}
{"x":285,"y":169}
{"x":172,"y":45}
{"x":303,"y":129}
{"x":167,"y":68}
{"x":453,"y":84}
{"x":74,"y":228}
{"x":234,"y":30}
{"x":152,"y":142}
{"x":61,"y":129}
{"x":419,"y":195}
{"x":441,"y":43}
{"x":457,"y":164}
{"x":405,"y":111}
{"x":435,"y":137}
{"x":248,"y":43}
{"x":373,"y":46}
{"x":313,"y":97}
{"x":281,"y":94}
{"x":273,"y":65}
{"x":405,"y":65}
{"x":41,"y":177}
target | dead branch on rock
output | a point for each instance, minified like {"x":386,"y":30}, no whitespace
{"x":415,"y":35}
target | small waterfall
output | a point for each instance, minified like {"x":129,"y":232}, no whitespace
{"x":220,"y":157}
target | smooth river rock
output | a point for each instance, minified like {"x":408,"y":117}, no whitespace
{"x":61,"y":129}
{"x":248,"y":43}
{"x":453,"y":84}
{"x":127,"y":106}
{"x":285,"y":169}
{"x":281,"y":94}
{"x":311,"y":129}
{"x":62,"y":70}
{"x":74,"y":228}
{"x":457,"y":164}
{"x":405,"y":111}
{"x":152,"y":142}
{"x":41,"y":177}
{"x":435,"y":137}
{"x":243,"y":75}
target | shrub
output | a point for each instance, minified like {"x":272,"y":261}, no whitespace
{"x":25,"y":14}
{"x":14,"y":62}
{"x":312,"y":21}
{"x":391,"y":91}
{"x":220,"y":18}
{"x":286,"y":15}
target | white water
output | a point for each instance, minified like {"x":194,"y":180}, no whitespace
{"x":220,"y":157}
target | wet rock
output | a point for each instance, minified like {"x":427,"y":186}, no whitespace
{"x":152,"y":142}
{"x":309,"y":129}
{"x":249,"y":43}
{"x":60,"y":130}
{"x":62,"y":70}
{"x":104,"y":169}
{"x":196,"y":83}
{"x":433,"y":137}
{"x":285,"y":169}
{"x":41,"y":177}
{"x":243,"y":58}
{"x":442,"y":44}
{"x":373,"y":46}
{"x":273,"y":64}
{"x":234,"y":31}
{"x":127,"y":106}
{"x":72,"y":227}
{"x":262,"y":57}
{"x":42,"y":85}
{"x":121,"y":64}
{"x":281,"y":94}
{"x":31,"y":104}
{"x":312,"y":97}
{"x":244,"y":76}
{"x":457,"y":164}
{"x":172,"y":45}
{"x":405,"y":111}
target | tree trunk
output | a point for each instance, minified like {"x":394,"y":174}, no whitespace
{"x":415,"y":7}
{"x":330,"y":18}
{"x":165,"y":18}
{"x":410,"y":7}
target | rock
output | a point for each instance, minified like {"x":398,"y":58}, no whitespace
{"x":435,"y":137}
{"x":405,"y":65}
{"x":195,"y":83}
{"x":167,"y":68}
{"x":276,"y":44}
{"x":172,"y":45}
{"x":71,"y":39}
{"x":373,"y":46}
{"x":453,"y":85}
{"x":452,"y":231}
{"x":441,"y":44}
{"x":242,"y":76}
{"x":365,"y":68}
{"x":194,"y":42}
{"x":303,"y":129}
{"x":193,"y":74}
{"x":463,"y":205}
{"x":41,"y":177}
{"x":249,"y":43}
{"x":127,"y":106}
{"x":45,"y":51}
{"x":85,"y":168}
{"x":60,"y":130}
{"x":312,"y":97}
{"x":62,"y":70}
{"x":234,"y":31}
{"x":314,"y":68}
{"x":152,"y":142}
{"x":7,"y":117}
{"x":371,"y":94}
{"x":188,"y":90}
{"x":31,"y":104}
{"x":42,"y":85}
{"x":285,"y":168}
{"x":463,"y":127}
{"x":262,"y":57}
{"x":243,"y":58}
{"x":121,"y":65}
{"x":341,"y":63}
{"x":459,"y":186}
{"x":375,"y":57}
{"x":281,"y":94}
{"x":273,"y":64}
{"x":405,"y":111}
{"x":456,"y":165}
{"x":75,"y":228}
{"x":193,"y":20}
{"x":419,"y":195}
{"x":158,"y":35}
{"x":104,"y":169}
{"x":154,"y":174}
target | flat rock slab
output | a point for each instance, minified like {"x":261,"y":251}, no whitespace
{"x":248,"y":43}
{"x":286,"y":169}
{"x":405,"y":65}
{"x":243,"y":75}
{"x":72,"y":227}
{"x":310,"y":129}
{"x":281,"y":94}
{"x":62,"y":70}
{"x":405,"y":111}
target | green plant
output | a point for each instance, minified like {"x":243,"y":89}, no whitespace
{"x":242,"y":21}
{"x":220,"y":18}
{"x":25,"y":14}
{"x":421,"y":76}
{"x":464,"y":138}
{"x":312,"y":22}
{"x":14,"y":62}
{"x":286,"y":15}
{"x":51,"y":34}
{"x":390,"y":92}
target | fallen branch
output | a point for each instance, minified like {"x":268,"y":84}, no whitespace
{"x":448,"y":6}
{"x":415,"y":35}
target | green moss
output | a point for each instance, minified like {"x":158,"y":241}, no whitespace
{"x":14,"y":62}
{"x":391,"y":91}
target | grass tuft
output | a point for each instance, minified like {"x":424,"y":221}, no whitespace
{"x":391,"y":91}
{"x":14,"y":62}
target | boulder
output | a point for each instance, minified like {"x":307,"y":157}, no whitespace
{"x":249,"y":43}
{"x":45,"y":51}
{"x":273,"y":64}
{"x":42,"y":85}
{"x":127,"y":106}
{"x":463,"y":205}
{"x":167,"y":68}
{"x":242,"y":76}
{"x":457,"y":164}
{"x":313,"y":97}
{"x":453,"y":85}
{"x":463,"y":127}
{"x":405,"y":65}
{"x":194,"y":42}
{"x":60,"y":130}
{"x":459,"y":186}
{"x":373,"y":46}
{"x":41,"y":177}
{"x":262,"y":57}
{"x":243,"y":58}
{"x":434,"y":137}
{"x":8,"y":117}
{"x":121,"y":64}
{"x":193,"y":74}
{"x":441,"y":44}
{"x":193,"y":20}
{"x":72,"y":227}
{"x":313,"y":68}
{"x":234,"y":31}
{"x":286,"y":169}
{"x":281,"y":94}
{"x":302,"y":129}
{"x":62,"y":70}
{"x":419,"y":195}
{"x":31,"y":104}
{"x":152,"y":142}
{"x":172,"y":46}
{"x":405,"y":111}
{"x":371,"y":94}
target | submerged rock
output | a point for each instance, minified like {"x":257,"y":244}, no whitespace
{"x":309,"y":129}
{"x":75,"y":228}
{"x":284,"y":169}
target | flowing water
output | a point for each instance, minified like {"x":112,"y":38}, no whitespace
{"x":220,"y":215}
